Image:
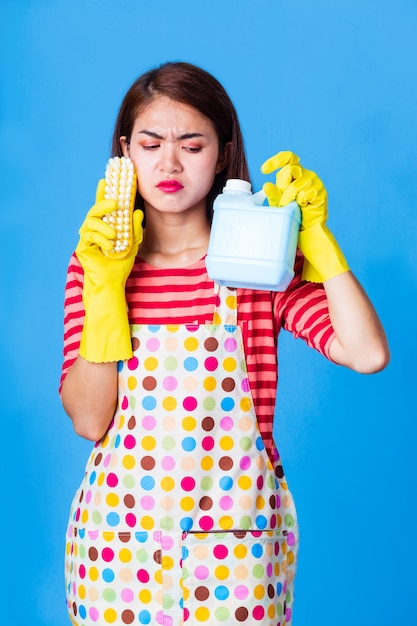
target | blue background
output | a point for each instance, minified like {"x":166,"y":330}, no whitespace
{"x":336,"y":83}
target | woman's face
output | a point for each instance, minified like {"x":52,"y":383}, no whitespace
{"x":175,"y":150}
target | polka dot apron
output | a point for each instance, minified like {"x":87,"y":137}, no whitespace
{"x":181,"y":517}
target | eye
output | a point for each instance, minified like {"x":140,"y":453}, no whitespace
{"x":152,"y":146}
{"x":192,"y":149}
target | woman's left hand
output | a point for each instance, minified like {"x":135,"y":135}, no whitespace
{"x":324,"y":259}
{"x":294,"y":182}
{"x":360,"y":341}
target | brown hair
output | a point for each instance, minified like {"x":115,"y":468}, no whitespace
{"x":191,"y":85}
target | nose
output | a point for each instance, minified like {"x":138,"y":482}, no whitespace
{"x":169,"y":159}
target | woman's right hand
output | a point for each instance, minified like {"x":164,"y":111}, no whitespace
{"x":97,"y":236}
{"x":106,"y":331}
{"x":89,"y":391}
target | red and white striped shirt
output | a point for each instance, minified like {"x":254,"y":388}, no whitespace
{"x":186,"y":296}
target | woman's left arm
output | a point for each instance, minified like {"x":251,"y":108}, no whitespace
{"x":360,"y":341}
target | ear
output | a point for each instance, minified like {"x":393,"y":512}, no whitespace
{"x":125,"y":146}
{"x":223,"y":158}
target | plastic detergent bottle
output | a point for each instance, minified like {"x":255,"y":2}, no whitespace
{"x":252,"y":245}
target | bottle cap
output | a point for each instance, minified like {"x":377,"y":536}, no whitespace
{"x":237,"y":186}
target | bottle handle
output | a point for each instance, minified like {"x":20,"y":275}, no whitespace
{"x":259,"y":197}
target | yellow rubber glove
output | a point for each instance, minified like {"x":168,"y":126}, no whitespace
{"x":323,"y":258}
{"x":106,"y":332}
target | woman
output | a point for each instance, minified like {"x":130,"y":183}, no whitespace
{"x":184,"y":514}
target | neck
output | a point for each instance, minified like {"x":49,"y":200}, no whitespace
{"x":171,"y":240}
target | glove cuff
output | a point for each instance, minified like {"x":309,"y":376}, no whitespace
{"x":323,"y":257}
{"x":106,"y":332}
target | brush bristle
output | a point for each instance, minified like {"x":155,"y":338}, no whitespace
{"x":121,"y":186}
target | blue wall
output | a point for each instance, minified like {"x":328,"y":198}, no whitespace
{"x":336,"y":83}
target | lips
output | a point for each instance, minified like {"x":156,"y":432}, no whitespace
{"x":169,"y":186}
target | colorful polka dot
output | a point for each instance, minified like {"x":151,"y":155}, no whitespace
{"x":180,"y":456}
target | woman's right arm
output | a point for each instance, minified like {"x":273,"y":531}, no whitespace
{"x":89,"y":397}
{"x":97,"y":332}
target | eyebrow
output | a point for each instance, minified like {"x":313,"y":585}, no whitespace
{"x":150,"y":133}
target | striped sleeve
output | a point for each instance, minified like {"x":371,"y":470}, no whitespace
{"x":303,"y":310}
{"x":73,"y":315}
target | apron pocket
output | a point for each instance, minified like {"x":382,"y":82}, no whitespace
{"x":123,"y":578}
{"x":235,"y":577}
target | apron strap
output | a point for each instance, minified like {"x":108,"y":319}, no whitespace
{"x":225,"y":308}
